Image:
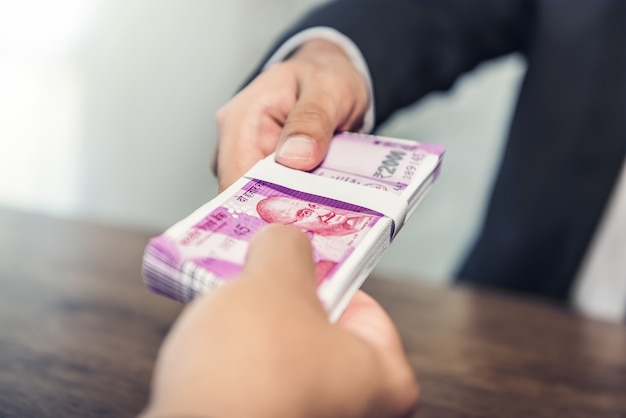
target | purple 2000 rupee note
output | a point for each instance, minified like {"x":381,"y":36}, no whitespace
{"x":388,"y":164}
{"x":190,"y":260}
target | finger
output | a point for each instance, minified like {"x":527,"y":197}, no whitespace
{"x":238,"y":148}
{"x":332,"y":96}
{"x":249,"y":126}
{"x":309,"y":127}
{"x":281,"y":256}
{"x":365,"y":318}
{"x":216,"y":153}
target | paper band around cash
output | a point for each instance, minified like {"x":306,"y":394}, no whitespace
{"x":391,"y":206}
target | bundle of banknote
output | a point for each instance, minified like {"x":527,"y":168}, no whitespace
{"x":351,"y":207}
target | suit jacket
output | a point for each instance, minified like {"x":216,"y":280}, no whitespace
{"x":567,"y":139}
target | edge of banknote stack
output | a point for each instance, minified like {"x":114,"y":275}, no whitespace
{"x":370,"y":181}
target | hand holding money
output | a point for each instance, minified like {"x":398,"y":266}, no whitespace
{"x":261,"y":346}
{"x":305,"y":99}
{"x":351,"y":206}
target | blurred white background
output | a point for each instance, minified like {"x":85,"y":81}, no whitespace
{"x":107,"y":114}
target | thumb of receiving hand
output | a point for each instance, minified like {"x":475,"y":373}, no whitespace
{"x":282,"y":257}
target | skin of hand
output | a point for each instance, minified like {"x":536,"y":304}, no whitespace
{"x":262,"y":346}
{"x":293,"y":108}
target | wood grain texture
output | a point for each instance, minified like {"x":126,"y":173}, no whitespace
{"x":78,"y":331}
{"x":480,"y":354}
{"x":79,"y":335}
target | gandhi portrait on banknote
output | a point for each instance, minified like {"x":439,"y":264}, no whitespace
{"x":333,"y":231}
{"x":311,"y":217}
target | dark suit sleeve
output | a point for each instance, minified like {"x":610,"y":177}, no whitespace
{"x":413,"y":47}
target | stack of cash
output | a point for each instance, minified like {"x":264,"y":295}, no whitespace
{"x":351,"y":207}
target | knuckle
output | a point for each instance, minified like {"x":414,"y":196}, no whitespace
{"x":221,"y":114}
{"x":313,"y":112}
{"x":312,"y":120}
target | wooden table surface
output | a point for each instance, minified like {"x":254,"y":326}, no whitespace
{"x":79,"y":334}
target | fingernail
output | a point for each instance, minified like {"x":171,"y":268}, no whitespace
{"x":297,"y":148}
